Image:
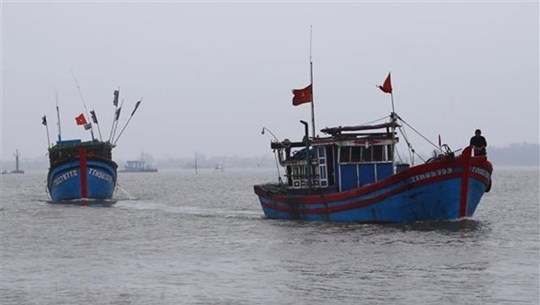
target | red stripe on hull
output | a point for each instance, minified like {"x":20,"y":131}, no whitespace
{"x":461,"y":161}
{"x":356,"y":204}
{"x":466,"y":154}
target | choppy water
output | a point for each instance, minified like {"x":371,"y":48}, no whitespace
{"x":179,"y":238}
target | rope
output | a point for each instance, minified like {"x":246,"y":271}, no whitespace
{"x":412,"y":151}
{"x":381,"y":119}
{"x":427,"y":140}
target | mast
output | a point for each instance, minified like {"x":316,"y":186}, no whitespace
{"x":58,"y":119}
{"x":311,"y":78}
{"x":83,"y":102}
{"x":44,"y":122}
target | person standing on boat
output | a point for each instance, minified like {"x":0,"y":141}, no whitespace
{"x":479,"y":143}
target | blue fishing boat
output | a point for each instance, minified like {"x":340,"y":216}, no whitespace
{"x":84,"y":169}
{"x":80,"y":170}
{"x":351,"y":174}
{"x":353,"y":178}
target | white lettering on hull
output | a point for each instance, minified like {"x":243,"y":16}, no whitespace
{"x":430,"y":174}
{"x":481,"y":172}
{"x":64,"y":177}
{"x":100,"y":175}
{"x":73,"y":173}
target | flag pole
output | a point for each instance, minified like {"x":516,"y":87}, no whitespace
{"x":394,"y":120}
{"x":82,"y":100}
{"x":44,"y":122}
{"x":117,"y":119}
{"x":95,"y":120}
{"x":131,"y":116}
{"x":58,"y":117}
{"x":116,"y":95}
{"x":392,"y":97}
{"x":311,"y":78}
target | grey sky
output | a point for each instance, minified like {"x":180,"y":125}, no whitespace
{"x":213,"y":74}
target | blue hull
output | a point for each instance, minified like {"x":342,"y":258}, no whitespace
{"x":64,"y":182}
{"x":431,"y":192}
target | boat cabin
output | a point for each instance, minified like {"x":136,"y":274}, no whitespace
{"x":68,"y":150}
{"x":346,"y":159}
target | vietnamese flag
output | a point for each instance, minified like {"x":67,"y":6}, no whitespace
{"x":387,"y":86}
{"x":302,"y":96}
{"x":81,"y":120}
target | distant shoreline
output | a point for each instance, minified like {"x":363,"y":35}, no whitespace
{"x":522,"y":155}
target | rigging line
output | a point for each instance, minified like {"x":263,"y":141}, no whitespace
{"x":383,"y":118}
{"x":411,"y":148}
{"x":409,"y":145}
{"x":80,"y":92}
{"x":412,"y":151}
{"x":83,"y":101}
{"x":427,"y":140}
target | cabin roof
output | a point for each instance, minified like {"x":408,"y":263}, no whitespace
{"x":340,"y":129}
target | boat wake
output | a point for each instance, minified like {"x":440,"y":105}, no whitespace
{"x":188,"y":210}
{"x":86,"y":202}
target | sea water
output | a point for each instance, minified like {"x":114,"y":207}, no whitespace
{"x":176,"y":237}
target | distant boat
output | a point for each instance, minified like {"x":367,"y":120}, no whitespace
{"x":17,"y":170}
{"x":81,"y":170}
{"x":138,"y":166}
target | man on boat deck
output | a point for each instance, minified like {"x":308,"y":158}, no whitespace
{"x":479,"y":143}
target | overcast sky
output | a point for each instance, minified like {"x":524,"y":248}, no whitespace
{"x":213,"y":74}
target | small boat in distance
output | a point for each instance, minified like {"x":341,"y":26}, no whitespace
{"x":352,"y":175}
{"x":138,"y":166}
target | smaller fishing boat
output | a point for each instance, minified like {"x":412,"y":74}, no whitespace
{"x":138,"y":166}
{"x":84,"y":169}
{"x":81,"y":170}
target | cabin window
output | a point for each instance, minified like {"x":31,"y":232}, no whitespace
{"x":361,"y":154}
{"x":366,"y":154}
{"x":356,"y":154}
{"x":345,"y":154}
{"x":378,"y":153}
{"x":389,"y":153}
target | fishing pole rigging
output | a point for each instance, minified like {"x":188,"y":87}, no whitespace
{"x":81,"y":120}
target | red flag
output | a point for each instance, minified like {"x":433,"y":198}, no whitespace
{"x":81,"y":120}
{"x":387,"y":86}
{"x":302,"y":96}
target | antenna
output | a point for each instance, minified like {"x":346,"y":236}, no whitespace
{"x":82,"y":100}
{"x":131,"y":116}
{"x":58,"y":118}
{"x":311,"y":77}
{"x":116,"y":94}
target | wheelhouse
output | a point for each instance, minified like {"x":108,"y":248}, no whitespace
{"x":348,"y":158}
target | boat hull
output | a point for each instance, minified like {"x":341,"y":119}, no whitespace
{"x":96,"y":179}
{"x":440,"y":190}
